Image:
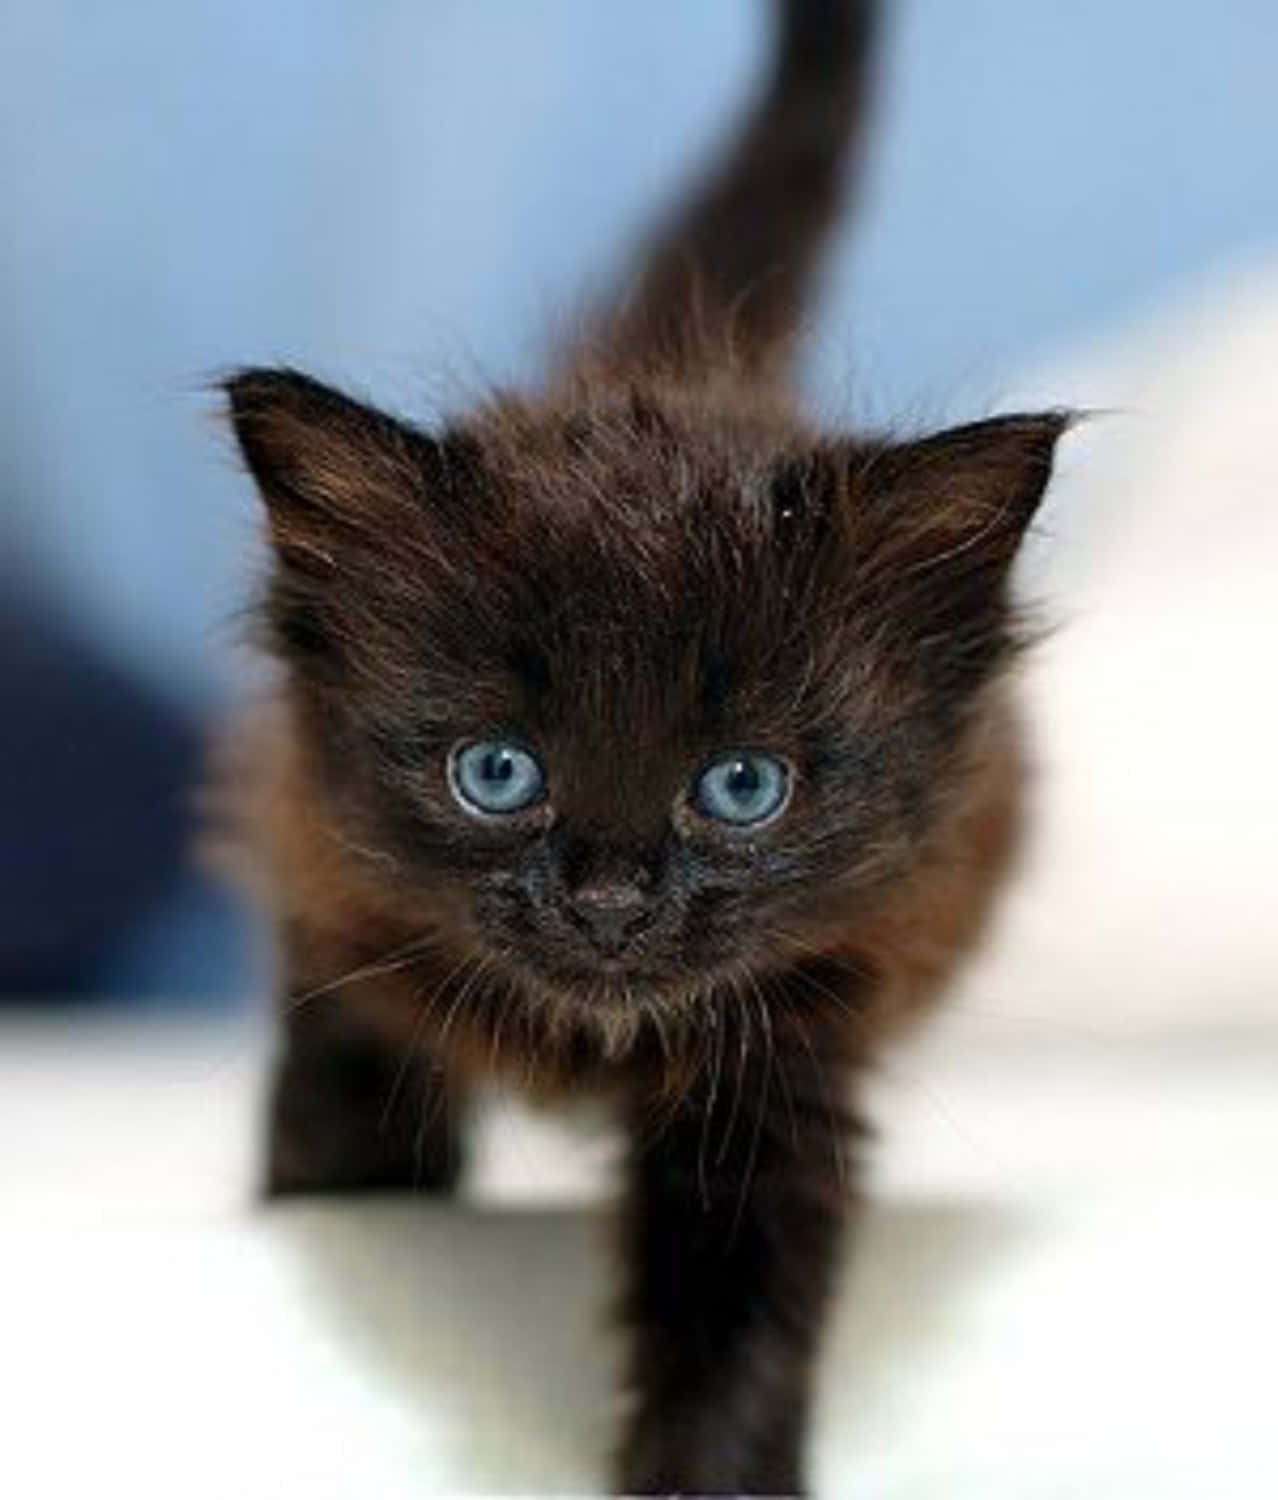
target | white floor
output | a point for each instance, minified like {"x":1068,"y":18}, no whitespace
{"x":1064,"y":1288}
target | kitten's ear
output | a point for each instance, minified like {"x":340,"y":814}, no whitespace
{"x":958,"y":503}
{"x":360,"y":507}
{"x":940,"y":521}
{"x":329,"y":469}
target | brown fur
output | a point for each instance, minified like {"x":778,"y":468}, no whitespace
{"x":653,"y":561}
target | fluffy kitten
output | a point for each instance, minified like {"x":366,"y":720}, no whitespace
{"x":638,"y":737}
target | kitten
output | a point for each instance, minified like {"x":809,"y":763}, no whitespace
{"x":638,"y":737}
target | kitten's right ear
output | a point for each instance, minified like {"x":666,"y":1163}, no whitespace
{"x":360,"y":507}
{"x":330,"y":469}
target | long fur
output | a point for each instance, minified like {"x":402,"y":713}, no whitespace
{"x":653,"y":559}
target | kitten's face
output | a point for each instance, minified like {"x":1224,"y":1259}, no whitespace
{"x":635,"y":697}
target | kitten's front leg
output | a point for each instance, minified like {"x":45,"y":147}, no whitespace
{"x":350,"y":1113}
{"x":736,"y":1217}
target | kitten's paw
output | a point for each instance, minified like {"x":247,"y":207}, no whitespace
{"x":670,"y":1458}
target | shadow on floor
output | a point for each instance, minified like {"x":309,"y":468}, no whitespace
{"x":494,"y":1324}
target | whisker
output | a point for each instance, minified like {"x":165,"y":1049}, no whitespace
{"x":482,"y":967}
{"x":752,"y":1155}
{"x":782,"y":1077}
{"x":743,"y":1038}
{"x":716,"y":1047}
{"x":410,"y":1047}
{"x":837,"y":1131}
{"x":400,"y":957}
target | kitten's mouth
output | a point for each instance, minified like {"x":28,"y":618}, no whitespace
{"x":604,"y":976}
{"x":589,"y":985}
{"x":614,"y":1003}
{"x":605,"y":983}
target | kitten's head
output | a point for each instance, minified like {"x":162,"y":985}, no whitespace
{"x":635,"y":690}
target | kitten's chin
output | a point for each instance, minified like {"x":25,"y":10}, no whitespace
{"x":614,"y":1001}
{"x":601,"y":985}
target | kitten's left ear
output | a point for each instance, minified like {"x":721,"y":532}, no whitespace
{"x":959,"y":502}
{"x":939,"y":522}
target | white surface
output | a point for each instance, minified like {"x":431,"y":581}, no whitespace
{"x":1065,"y":1286}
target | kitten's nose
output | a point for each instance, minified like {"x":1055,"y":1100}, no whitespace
{"x":610,"y":910}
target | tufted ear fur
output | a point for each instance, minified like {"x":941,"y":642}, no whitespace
{"x":940,"y":521}
{"x":358,"y":504}
{"x":960,"y":500}
{"x":327,"y":466}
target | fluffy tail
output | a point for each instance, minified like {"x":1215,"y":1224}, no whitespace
{"x":725,"y":281}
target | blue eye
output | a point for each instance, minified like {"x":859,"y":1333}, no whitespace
{"x":743,"y":788}
{"x":492,"y":776}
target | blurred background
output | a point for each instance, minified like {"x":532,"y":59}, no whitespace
{"x":402,"y":196}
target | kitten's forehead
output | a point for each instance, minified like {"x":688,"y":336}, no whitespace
{"x":634,"y":503}
{"x":635,"y":456}
{"x":640,"y":577}
{"x":650,"y":563}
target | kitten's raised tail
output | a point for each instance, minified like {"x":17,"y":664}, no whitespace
{"x":725,"y":281}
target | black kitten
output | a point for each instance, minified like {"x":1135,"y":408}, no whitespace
{"x":638,"y":737}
